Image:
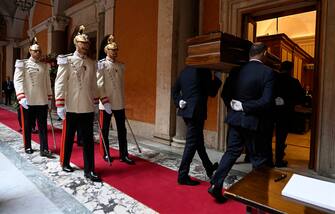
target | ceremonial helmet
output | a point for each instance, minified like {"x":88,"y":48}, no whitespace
{"x":111,"y":44}
{"x":35,"y":46}
{"x":81,"y":36}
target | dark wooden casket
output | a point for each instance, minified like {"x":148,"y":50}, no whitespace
{"x":221,"y":51}
{"x":218,"y":51}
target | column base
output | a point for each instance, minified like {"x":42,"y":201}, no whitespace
{"x":179,"y":143}
{"x":162,"y":138}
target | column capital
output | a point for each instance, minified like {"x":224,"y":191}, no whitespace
{"x":109,"y":4}
{"x":59,"y":23}
{"x":104,"y":5}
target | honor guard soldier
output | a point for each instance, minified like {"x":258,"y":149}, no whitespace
{"x":111,"y":85}
{"x":33,"y":91}
{"x":76,"y":99}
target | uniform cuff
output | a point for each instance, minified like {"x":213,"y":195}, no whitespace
{"x":60,"y":102}
{"x":104,"y":100}
{"x":20,"y":96}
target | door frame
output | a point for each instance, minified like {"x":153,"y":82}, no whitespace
{"x":233,"y":17}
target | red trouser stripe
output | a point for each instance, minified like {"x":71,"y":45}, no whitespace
{"x":101,"y":120}
{"x":62,"y":144}
{"x":23,"y":128}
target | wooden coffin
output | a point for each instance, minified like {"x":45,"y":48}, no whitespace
{"x":272,"y":61}
{"x":218,"y":51}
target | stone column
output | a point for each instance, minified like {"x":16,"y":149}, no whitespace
{"x":56,"y":34}
{"x":166,"y":68}
{"x":102,"y":6}
{"x":109,"y":16}
{"x":179,"y":139}
{"x":188,"y":11}
{"x":9,"y":59}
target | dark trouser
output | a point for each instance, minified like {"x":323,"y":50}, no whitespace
{"x":40,"y":113}
{"x":265,"y":138}
{"x":120,"y":119}
{"x":79,"y":137}
{"x":282,"y":127}
{"x":194,"y":143}
{"x":83,"y":121}
{"x":33,"y":120}
{"x":238,"y":138}
{"x":8,"y":97}
{"x":19,"y":116}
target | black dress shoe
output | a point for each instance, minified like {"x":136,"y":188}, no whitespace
{"x":210,"y":171}
{"x":216,"y":192}
{"x":93,"y":177}
{"x":188,"y":181}
{"x":106,"y":157}
{"x":29,"y":151}
{"x":282,"y":163}
{"x":127,"y":160}
{"x":68,"y":168}
{"x":47,"y":154}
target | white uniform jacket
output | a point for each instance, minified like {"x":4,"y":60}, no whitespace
{"x":32,"y":81}
{"x":110,"y":77}
{"x":76,"y":83}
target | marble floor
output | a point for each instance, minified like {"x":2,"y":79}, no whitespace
{"x":71,"y":192}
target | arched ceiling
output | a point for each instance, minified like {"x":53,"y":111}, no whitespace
{"x":7,"y":8}
{"x":14,"y":18}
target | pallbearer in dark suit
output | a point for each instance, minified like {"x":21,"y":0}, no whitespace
{"x":76,"y":100}
{"x":33,"y":90}
{"x":288,"y":93}
{"x":190,"y":94}
{"x":249,"y":95}
{"x":110,"y":77}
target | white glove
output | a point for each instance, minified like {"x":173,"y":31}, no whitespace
{"x":218,"y":74}
{"x":182,"y":104}
{"x":236,"y":105}
{"x":108,"y":108}
{"x":24,"y":103}
{"x":61,"y":112}
{"x":279,"y":101}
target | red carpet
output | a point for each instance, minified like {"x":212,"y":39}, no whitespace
{"x":151,"y":184}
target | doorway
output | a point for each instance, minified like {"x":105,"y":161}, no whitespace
{"x":290,"y":35}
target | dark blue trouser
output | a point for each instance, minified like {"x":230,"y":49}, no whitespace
{"x":238,"y":138}
{"x":84,"y":122}
{"x":39,"y":112}
{"x":120,"y":120}
{"x":194,"y":143}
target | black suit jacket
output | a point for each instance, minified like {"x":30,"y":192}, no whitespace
{"x":290,"y":90}
{"x":8,"y":88}
{"x":253,"y":86}
{"x":194,"y":85}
